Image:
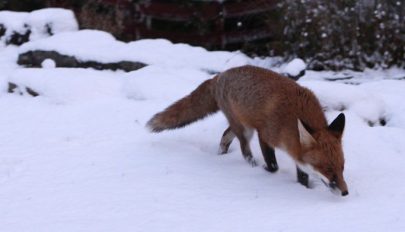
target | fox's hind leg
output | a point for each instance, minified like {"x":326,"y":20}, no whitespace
{"x":244,"y":135}
{"x":269,"y":156}
{"x":244,"y":139}
{"x":226,"y":141}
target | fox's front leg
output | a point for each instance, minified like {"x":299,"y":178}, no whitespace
{"x":302,"y":177}
{"x":269,"y":156}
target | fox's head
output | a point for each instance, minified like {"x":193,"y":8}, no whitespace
{"x":323,"y":154}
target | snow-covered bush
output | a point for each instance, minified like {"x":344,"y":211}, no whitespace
{"x":345,"y":34}
{"x":13,"y":29}
{"x":20,"y":27}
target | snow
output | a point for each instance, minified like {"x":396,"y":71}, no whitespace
{"x":79,"y":158}
{"x":48,"y":63}
{"x":39,"y":22}
{"x":336,"y":96}
{"x":14,"y":22}
{"x":58,"y":20}
{"x":295,"y":67}
{"x":104,"y":48}
{"x":12,"y":19}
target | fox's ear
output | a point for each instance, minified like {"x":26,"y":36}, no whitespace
{"x":306,"y":138}
{"x":338,"y":125}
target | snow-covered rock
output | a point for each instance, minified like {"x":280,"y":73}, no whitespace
{"x":50,"y":21}
{"x":294,"y":69}
{"x":40,"y":58}
{"x":102,"y":47}
{"x":342,"y":97}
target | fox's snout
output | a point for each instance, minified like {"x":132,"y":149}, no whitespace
{"x":343,"y":188}
{"x":345,"y":193}
{"x":335,"y":187}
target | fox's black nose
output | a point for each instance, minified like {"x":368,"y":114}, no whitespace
{"x":345,"y":193}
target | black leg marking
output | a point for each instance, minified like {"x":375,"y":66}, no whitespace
{"x":269,"y":157}
{"x":302,"y":177}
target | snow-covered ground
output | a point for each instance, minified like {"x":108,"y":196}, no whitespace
{"x":78,"y":157}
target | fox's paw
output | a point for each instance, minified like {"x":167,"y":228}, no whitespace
{"x":223,"y":150}
{"x":303,"y":179}
{"x":251,"y":161}
{"x":273,"y":167}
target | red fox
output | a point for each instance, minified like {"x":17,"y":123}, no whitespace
{"x":284,"y":114}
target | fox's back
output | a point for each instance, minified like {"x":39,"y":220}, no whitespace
{"x":257,"y":96}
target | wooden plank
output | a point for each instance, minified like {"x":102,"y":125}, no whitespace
{"x":185,"y":37}
{"x":240,"y":9}
{"x":214,"y":39}
{"x":118,"y":2}
{"x":247,"y":36}
{"x":172,"y":11}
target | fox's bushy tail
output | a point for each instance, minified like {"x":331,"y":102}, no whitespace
{"x":197,"y":105}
